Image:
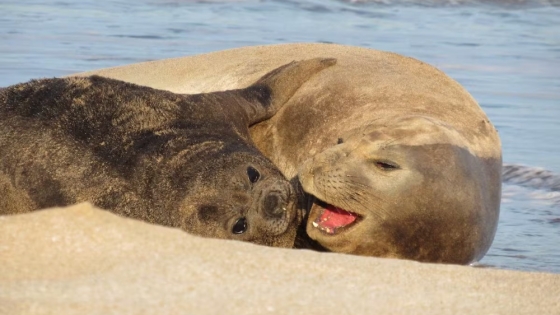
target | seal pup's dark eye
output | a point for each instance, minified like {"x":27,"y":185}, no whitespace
{"x":386,"y":165}
{"x":253,"y":174}
{"x":240,"y":226}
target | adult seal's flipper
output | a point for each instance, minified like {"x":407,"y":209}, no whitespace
{"x":270,"y":92}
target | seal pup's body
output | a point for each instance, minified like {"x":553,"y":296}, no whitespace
{"x":178,"y":160}
{"x":401,"y":159}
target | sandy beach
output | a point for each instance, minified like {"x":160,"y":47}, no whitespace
{"x":82,"y":260}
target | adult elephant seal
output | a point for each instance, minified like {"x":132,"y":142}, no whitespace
{"x":178,"y":160}
{"x":401,"y":160}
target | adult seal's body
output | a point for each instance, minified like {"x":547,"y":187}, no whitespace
{"x":401,"y":160}
{"x":178,"y":160}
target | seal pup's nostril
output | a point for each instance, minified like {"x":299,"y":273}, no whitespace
{"x":274,"y":206}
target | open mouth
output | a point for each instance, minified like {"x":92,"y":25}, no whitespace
{"x":332,"y":219}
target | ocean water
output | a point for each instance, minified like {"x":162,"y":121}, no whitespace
{"x":506,"y":53}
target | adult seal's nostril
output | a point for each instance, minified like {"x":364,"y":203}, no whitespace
{"x":274,"y":206}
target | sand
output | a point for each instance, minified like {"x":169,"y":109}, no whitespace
{"x":82,"y":260}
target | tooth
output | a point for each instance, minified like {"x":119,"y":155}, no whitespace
{"x":315,"y":224}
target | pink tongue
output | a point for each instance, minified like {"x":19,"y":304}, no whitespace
{"x":333,"y":218}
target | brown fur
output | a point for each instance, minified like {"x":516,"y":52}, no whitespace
{"x":178,"y":160}
{"x":447,"y":135}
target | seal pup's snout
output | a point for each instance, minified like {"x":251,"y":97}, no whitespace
{"x":274,"y":205}
{"x":275,"y":199}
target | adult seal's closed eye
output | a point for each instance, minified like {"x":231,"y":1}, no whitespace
{"x":406,"y":187}
{"x":178,"y":160}
{"x":401,"y":160}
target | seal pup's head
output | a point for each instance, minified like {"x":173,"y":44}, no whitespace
{"x":407,"y":188}
{"x":242,"y":196}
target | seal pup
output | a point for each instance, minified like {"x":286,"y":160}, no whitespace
{"x":184,"y":161}
{"x":417,"y":161}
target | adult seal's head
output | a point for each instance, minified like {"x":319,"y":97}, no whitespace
{"x":403,"y":149}
{"x":407,"y":187}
